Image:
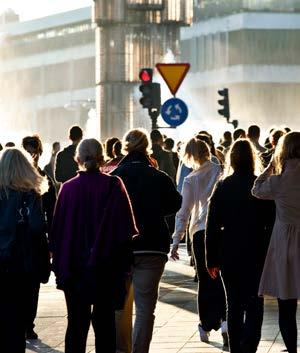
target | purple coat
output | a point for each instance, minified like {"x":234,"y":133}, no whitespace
{"x":92,"y":224}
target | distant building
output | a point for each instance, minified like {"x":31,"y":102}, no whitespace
{"x":47,"y":73}
{"x":251,"y":47}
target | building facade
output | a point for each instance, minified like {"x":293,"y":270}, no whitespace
{"x":47,"y":73}
{"x":251,"y":47}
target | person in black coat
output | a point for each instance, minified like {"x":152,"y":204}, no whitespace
{"x":20,"y":238}
{"x":238,"y":231}
{"x":33,"y":145}
{"x":65,"y":165}
{"x":153,"y":196}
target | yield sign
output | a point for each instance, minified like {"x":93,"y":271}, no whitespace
{"x":173,"y":74}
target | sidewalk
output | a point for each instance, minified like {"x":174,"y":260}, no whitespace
{"x":176,"y":318}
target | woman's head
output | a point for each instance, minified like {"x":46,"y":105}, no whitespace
{"x":196,"y":152}
{"x":137,"y":140}
{"x":89,"y":154}
{"x":18,"y":173}
{"x":242,"y":157}
{"x":109,"y":146}
{"x":288,"y":147}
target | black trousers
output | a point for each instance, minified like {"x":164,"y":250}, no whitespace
{"x":12,"y":313}
{"x":288,"y":323}
{"x":211,"y":295}
{"x":81,"y":314}
{"x":245,"y":312}
{"x":32,"y":304}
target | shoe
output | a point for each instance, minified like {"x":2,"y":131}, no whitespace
{"x":204,"y":335}
{"x":224,"y":332}
{"x":31,"y":335}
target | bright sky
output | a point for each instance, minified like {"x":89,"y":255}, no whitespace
{"x":30,"y":9}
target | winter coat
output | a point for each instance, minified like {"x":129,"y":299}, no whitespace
{"x":65,"y":165}
{"x":281,"y":278}
{"x":238,"y":229}
{"x":92,"y":228}
{"x":153,"y":196}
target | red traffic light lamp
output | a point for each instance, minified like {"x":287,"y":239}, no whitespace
{"x":146,"y":75}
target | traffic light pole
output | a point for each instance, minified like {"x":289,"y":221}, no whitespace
{"x":153,"y":115}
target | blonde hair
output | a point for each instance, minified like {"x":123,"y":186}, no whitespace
{"x":288,"y":147}
{"x":18,"y":173}
{"x":89,"y":154}
{"x":137,"y":140}
{"x":195,"y":153}
{"x":242,"y":156}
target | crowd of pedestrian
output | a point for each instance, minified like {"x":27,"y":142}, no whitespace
{"x":103,"y":219}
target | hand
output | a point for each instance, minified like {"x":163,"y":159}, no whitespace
{"x":174,"y":253}
{"x":213,"y":272}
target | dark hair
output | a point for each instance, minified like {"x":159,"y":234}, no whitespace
{"x":239,"y":133}
{"x":287,"y":129}
{"x":54,"y":144}
{"x":33,"y":142}
{"x":242,"y":156}
{"x":10,"y":144}
{"x":75,"y":133}
{"x":156,"y":136}
{"x":227,"y":136}
{"x":169,"y":143}
{"x":109,"y":146}
{"x":253,"y":131}
{"x":275,"y":136}
{"x":1,"y":148}
{"x":117,"y":147}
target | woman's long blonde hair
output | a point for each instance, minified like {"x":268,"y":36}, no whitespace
{"x":18,"y":173}
{"x":195,"y":153}
{"x":288,"y":147}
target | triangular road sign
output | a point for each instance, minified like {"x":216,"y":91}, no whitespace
{"x":173,"y":74}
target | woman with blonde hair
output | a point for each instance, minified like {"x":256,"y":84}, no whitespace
{"x":91,"y":235}
{"x":21,"y":231}
{"x":197,"y":188}
{"x":280,"y":279}
{"x":237,"y":235}
{"x":153,"y":196}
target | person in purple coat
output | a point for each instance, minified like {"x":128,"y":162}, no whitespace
{"x":92,"y":229}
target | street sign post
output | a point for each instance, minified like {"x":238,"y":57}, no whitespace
{"x":174,"y":112}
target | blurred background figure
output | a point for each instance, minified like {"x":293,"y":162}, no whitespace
{"x":49,"y":168}
{"x":274,"y":138}
{"x":253,"y":135}
{"x":10,"y":144}
{"x":168,"y":146}
{"x":65,"y":166}
{"x":117,"y":156}
{"x":239,"y":134}
{"x":163,"y":158}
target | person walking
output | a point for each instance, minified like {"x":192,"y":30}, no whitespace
{"x":153,"y":196}
{"x":65,"y":165}
{"x":197,"y":188}
{"x":237,"y":236}
{"x":33,"y":145}
{"x":90,"y":240}
{"x":280,"y":278}
{"x":21,"y":237}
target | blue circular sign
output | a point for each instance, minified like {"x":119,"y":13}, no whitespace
{"x":174,"y":112}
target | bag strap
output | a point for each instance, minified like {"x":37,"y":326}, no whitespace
{"x":24,"y":210}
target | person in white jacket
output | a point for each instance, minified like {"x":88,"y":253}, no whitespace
{"x":197,"y":188}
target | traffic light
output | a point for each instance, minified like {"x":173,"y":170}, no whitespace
{"x":235,"y":123}
{"x":224,"y":102}
{"x":150,"y":90}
